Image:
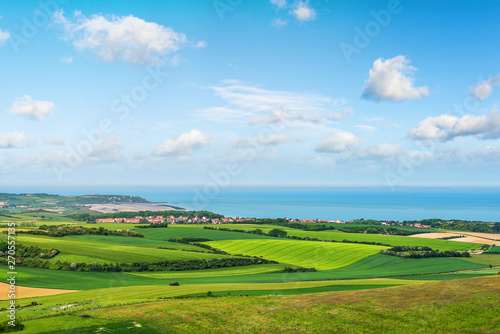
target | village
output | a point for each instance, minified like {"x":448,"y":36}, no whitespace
{"x":204,"y":220}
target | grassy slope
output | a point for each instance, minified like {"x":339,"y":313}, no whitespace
{"x":462,"y":306}
{"x":309,"y":254}
{"x":185,"y":231}
{"x":109,"y":252}
{"x":485,"y":258}
{"x":370,"y":267}
{"x":85,"y":300}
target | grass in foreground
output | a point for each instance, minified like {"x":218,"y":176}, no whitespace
{"x":461,"y":306}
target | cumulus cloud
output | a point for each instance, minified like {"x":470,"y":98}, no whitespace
{"x":13,"y":139}
{"x":484,"y":88}
{"x":185,"y":144}
{"x":125,"y":38}
{"x":447,"y":127}
{"x":338,"y":142}
{"x":303,"y":12}
{"x":4,"y":36}
{"x":27,"y":107}
{"x":392,"y":80}
{"x":67,"y":60}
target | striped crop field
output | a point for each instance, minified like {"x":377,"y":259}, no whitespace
{"x":393,"y":240}
{"x":108,"y":252}
{"x":309,"y":254}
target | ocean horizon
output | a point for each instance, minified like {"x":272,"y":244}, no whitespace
{"x":343,"y":203}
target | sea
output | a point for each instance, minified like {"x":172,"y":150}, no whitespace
{"x":342,"y":203}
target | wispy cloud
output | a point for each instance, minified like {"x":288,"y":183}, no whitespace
{"x":245,"y":101}
{"x":365,"y":128}
{"x":4,"y":36}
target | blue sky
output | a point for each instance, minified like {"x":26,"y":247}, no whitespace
{"x":274,"y":92}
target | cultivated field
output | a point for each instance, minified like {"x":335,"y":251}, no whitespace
{"x":120,"y":300}
{"x":309,"y":254}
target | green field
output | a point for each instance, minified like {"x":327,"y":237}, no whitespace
{"x":309,"y":254}
{"x":435,"y":307}
{"x":392,"y":240}
{"x":110,"y":252}
{"x":485,"y":258}
{"x":188,"y":231}
{"x":341,"y":269}
{"x":494,"y":249}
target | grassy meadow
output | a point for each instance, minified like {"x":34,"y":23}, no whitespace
{"x":346,"y":274}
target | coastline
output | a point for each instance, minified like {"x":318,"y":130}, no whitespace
{"x":132,"y":207}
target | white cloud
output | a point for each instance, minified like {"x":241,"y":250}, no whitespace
{"x":279,"y":3}
{"x":241,"y":143}
{"x":109,"y":150}
{"x":273,"y":139}
{"x":54,"y":141}
{"x":4,"y":36}
{"x":447,"y":127}
{"x":201,"y":45}
{"x":342,"y":113}
{"x":67,"y":60}
{"x":279,"y":23}
{"x":391,"y":80}
{"x":484,"y":88}
{"x":338,"y":142}
{"x":280,"y":114}
{"x":125,"y":38}
{"x":185,"y":144}
{"x":365,"y":128}
{"x":27,"y":107}
{"x":13,"y":139}
{"x":382,"y":150}
{"x":281,"y":105}
{"x":303,"y":12}
{"x":222,"y":114}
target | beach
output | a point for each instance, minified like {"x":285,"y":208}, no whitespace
{"x":130,"y":207}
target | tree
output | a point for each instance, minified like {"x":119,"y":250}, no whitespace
{"x":277,"y":233}
{"x":496,"y":228}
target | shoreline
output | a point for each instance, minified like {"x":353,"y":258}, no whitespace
{"x":132,"y":207}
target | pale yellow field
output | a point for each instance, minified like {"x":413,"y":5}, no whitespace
{"x":26,"y":292}
{"x":479,"y":238}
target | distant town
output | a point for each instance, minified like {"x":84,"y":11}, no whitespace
{"x":204,"y":220}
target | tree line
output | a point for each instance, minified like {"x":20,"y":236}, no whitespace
{"x":419,"y":252}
